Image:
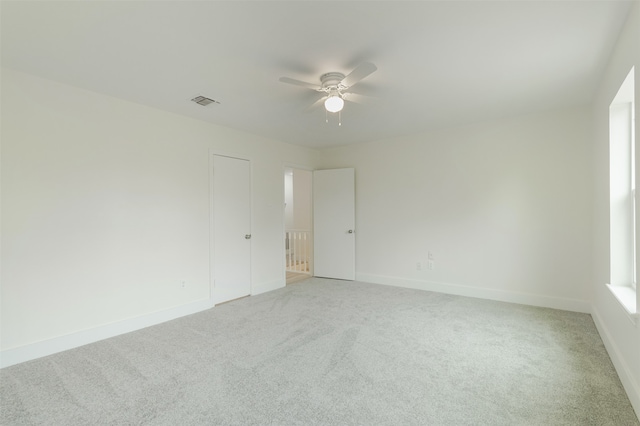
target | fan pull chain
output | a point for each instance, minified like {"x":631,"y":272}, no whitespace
{"x":326,"y":117}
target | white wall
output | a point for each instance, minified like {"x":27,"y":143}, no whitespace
{"x":620,"y":334}
{"x":302,"y":194}
{"x":105,"y":210}
{"x":289,"y":222}
{"x":504,"y":207}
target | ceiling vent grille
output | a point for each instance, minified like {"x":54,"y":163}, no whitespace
{"x":201,"y":100}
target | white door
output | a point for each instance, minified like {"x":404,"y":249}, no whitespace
{"x":231,"y":228}
{"x":334,"y":223}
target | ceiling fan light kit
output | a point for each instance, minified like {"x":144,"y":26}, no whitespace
{"x":335,"y":85}
{"x":334,"y":103}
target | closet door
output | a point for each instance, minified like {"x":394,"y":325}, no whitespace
{"x":231,"y":272}
{"x":334,"y":223}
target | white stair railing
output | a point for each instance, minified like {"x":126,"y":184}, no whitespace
{"x":297,"y":250}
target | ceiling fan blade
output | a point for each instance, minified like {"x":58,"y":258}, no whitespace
{"x":359,"y":99}
{"x":299,"y":83}
{"x":316,"y":104}
{"x":361,"y":71}
{"x":364,"y":89}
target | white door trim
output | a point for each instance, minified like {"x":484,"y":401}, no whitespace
{"x":212,"y":154}
{"x":285,"y":166}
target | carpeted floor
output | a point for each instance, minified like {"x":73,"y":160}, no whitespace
{"x":327,"y":352}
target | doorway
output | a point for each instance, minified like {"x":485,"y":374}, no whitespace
{"x":298,"y":235}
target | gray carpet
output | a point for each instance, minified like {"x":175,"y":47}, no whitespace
{"x":326,"y":352}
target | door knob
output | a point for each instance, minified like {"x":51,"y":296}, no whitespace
{"x":350,"y":231}
{"x":247,"y":237}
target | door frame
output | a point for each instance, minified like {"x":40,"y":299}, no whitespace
{"x":285,"y":166}
{"x":213,"y":153}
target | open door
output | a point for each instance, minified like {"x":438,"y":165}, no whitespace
{"x":334,"y":223}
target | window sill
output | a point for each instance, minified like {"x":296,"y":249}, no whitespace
{"x":626,"y":296}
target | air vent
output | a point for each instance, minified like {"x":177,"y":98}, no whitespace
{"x":201,"y":100}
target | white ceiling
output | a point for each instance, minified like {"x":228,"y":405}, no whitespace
{"x":440,"y":63}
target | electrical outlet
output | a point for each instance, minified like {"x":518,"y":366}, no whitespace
{"x":430,"y":255}
{"x":431,"y":265}
{"x":183,"y":284}
{"x":419,"y":266}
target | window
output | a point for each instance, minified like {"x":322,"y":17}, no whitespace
{"x":622,"y":193}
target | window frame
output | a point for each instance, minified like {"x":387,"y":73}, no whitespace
{"x":622,"y":198}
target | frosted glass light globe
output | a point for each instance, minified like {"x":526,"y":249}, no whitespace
{"x":334,"y":103}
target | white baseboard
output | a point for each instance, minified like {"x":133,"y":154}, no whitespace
{"x":268,"y":286}
{"x":631,"y":386}
{"x":482,"y":293}
{"x":58,"y":344}
{"x":43,"y":348}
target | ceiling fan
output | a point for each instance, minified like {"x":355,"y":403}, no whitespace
{"x":335,"y":86}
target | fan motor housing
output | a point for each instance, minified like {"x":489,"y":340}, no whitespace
{"x":331,"y":80}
